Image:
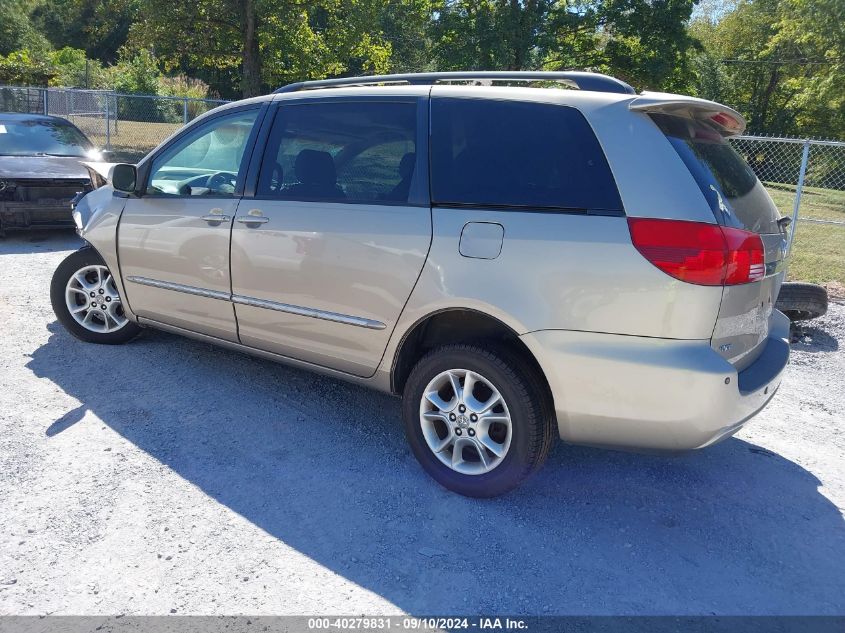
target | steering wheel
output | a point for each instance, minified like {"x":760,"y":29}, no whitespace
{"x":217,"y":181}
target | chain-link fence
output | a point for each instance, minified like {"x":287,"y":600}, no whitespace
{"x":127,"y":125}
{"x":806,"y":179}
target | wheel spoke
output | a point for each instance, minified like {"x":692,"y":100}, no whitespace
{"x":79,"y":309}
{"x":458,"y":453}
{"x":482,"y":454}
{"x":456,"y":385}
{"x":436,"y":415}
{"x":434,"y":398}
{"x":483,"y":407}
{"x":488,"y":442}
{"x":469,"y":384}
{"x":443,"y":444}
{"x":80,"y":279}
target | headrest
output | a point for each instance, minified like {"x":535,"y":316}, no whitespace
{"x":315,"y":167}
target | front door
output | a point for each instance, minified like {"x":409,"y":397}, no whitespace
{"x":327,"y":253}
{"x":173,"y":240}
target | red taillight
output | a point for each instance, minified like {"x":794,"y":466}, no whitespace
{"x":700,"y":253}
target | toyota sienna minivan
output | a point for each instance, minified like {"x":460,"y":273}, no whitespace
{"x":517,"y":262}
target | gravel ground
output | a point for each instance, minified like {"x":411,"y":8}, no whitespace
{"x":169,"y":476}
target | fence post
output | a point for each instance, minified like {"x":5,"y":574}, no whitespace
{"x":46,"y":107}
{"x":185,"y":111}
{"x":802,"y":173}
{"x":108,"y":124}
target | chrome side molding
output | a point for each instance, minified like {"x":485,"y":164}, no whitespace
{"x":260,"y":303}
{"x":309,"y":312}
{"x":189,"y":290}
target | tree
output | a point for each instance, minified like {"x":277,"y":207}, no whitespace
{"x":489,"y":34}
{"x":16,"y":32}
{"x":779,"y":62}
{"x":100,"y":27}
{"x":643,"y":41}
{"x":251,"y":45}
{"x":405,"y":25}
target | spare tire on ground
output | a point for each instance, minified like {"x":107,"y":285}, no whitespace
{"x":800,"y":301}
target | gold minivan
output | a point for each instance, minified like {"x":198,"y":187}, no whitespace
{"x":517,"y":262}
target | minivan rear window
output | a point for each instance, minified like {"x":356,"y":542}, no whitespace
{"x":736,"y":196}
{"x":517,"y":154}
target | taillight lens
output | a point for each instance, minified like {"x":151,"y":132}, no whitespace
{"x":700,"y":253}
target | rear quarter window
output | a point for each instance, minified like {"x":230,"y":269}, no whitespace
{"x":516,"y":154}
{"x":735,"y":195}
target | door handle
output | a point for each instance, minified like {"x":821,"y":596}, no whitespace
{"x":215,"y":216}
{"x":253,"y":216}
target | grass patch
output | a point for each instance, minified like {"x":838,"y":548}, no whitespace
{"x":818,"y":254}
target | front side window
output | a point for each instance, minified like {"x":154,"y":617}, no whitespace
{"x":517,"y":154}
{"x":205,"y":162}
{"x":343,"y":151}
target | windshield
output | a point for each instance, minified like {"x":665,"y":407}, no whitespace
{"x":736,"y":196}
{"x":39,"y":137}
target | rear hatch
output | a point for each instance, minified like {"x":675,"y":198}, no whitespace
{"x":738,"y":200}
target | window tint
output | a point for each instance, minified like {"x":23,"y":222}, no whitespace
{"x":503,"y":153}
{"x":341,"y":151}
{"x":207,"y":161}
{"x":735,"y":195}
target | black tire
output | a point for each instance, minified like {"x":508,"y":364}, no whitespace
{"x":800,"y":301}
{"x":532,"y":418}
{"x":71,"y":264}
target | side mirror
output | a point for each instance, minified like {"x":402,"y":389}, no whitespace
{"x":124,"y":178}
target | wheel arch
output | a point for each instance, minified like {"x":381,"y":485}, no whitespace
{"x":456,"y":325}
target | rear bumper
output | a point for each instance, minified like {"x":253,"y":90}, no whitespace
{"x":30,"y":215}
{"x":654,"y":394}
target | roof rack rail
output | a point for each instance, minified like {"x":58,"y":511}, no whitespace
{"x":594,"y":82}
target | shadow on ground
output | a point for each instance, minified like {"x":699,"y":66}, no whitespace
{"x":323,"y":466}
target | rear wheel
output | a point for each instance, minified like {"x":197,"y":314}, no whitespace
{"x":801,"y":301}
{"x":86,"y":301}
{"x":477,"y":419}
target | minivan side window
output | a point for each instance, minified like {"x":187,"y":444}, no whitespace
{"x":517,"y":154}
{"x":207,"y":161}
{"x":341,"y":151}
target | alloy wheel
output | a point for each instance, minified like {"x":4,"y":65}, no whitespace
{"x":465,"y":421}
{"x":93,"y":301}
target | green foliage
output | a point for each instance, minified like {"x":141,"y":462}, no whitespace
{"x":183,"y":86}
{"x":99,"y":27}
{"x":74,"y":70}
{"x":25,"y":68}
{"x":16,"y":32}
{"x":136,"y":72}
{"x":642,"y":41}
{"x":780,"y":62}
{"x":255,"y":45}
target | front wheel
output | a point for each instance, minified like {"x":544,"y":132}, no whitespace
{"x":86,"y":301}
{"x":478,"y":419}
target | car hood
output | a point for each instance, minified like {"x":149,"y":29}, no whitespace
{"x":12,"y":167}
